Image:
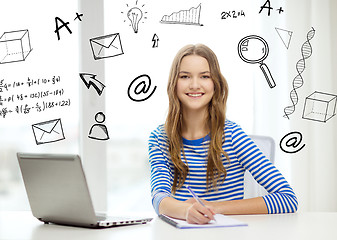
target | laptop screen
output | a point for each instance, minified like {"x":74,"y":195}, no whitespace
{"x":56,"y":187}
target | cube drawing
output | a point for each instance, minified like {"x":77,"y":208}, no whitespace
{"x":320,"y":106}
{"x":14,"y":46}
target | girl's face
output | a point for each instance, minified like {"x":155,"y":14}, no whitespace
{"x":195,"y":88}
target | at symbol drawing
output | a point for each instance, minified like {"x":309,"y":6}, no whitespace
{"x":139,"y":88}
{"x":290,"y":143}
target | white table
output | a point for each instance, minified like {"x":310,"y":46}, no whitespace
{"x":306,"y":226}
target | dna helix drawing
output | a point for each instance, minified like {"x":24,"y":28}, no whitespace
{"x":306,"y":51}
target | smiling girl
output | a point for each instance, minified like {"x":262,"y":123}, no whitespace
{"x":199,"y":147}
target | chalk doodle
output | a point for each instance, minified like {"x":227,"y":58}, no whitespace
{"x":106,"y":46}
{"x":285,"y":36}
{"x":141,"y":88}
{"x":232,"y":14}
{"x":306,"y":51}
{"x":78,"y":16}
{"x":39,"y":107}
{"x":43,"y":97}
{"x":290,"y":143}
{"x":4,"y":86}
{"x":267,"y":5}
{"x":155,"y":40}
{"x":58,"y":28}
{"x":14,"y":46}
{"x":135,"y":15}
{"x":65,"y":24}
{"x":48,"y":131}
{"x":89,"y":80}
{"x":320,"y":106}
{"x":187,"y":17}
{"x":254,"y":49}
{"x":99,"y":131}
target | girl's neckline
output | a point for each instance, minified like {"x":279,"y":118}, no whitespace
{"x":196,"y":141}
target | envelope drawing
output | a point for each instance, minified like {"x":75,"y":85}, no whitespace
{"x":49,"y":131}
{"x":106,"y":46}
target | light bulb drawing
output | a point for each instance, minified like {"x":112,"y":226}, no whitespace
{"x":135,"y":15}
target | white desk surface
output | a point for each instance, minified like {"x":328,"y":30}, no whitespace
{"x":306,"y":226}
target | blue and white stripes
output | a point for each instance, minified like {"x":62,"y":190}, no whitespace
{"x":243,"y":154}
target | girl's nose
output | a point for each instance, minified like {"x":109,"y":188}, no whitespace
{"x":194,"y":83}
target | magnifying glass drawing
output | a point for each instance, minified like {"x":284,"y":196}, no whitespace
{"x":254,"y":49}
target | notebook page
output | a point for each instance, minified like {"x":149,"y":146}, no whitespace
{"x":221,"y":221}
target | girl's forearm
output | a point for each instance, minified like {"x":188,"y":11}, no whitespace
{"x":245,"y":206}
{"x":174,"y":208}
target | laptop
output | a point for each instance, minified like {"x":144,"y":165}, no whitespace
{"x":58,"y":192}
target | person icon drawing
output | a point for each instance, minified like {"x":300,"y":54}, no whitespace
{"x":99,"y":131}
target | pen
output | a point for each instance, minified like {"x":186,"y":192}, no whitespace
{"x":195,"y":196}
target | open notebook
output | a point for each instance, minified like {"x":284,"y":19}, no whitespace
{"x":221,"y":221}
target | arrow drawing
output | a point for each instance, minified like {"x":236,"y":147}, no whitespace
{"x":155,"y":40}
{"x":89,"y":79}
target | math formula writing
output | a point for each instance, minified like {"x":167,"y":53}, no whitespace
{"x":39,"y":94}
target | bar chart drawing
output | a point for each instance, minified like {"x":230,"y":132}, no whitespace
{"x":187,"y":17}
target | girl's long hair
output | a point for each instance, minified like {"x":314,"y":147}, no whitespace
{"x":216,"y":172}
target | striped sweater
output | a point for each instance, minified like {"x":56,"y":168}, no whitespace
{"x":243,"y":154}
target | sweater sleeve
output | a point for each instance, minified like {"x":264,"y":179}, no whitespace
{"x":160,"y":171}
{"x":281,"y":197}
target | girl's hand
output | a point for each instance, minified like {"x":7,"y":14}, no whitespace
{"x":198,"y":214}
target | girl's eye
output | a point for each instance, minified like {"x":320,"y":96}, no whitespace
{"x":183,"y":76}
{"x":206,"y":76}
